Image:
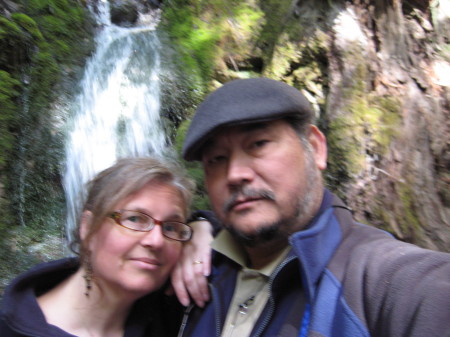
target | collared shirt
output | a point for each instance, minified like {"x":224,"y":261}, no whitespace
{"x":252,"y":287}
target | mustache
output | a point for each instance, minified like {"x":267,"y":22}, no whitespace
{"x":247,"y":193}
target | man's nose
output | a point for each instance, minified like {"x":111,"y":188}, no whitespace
{"x":240,"y":170}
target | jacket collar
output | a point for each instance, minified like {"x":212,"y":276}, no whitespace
{"x":316,"y":245}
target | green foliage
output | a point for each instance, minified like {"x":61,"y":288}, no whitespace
{"x":9,"y":92}
{"x":198,"y":29}
{"x":44,"y":75}
{"x":408,"y":220}
{"x":195,"y":39}
{"x":63,"y":24}
{"x":201,"y":30}
{"x":35,"y":45}
{"x":15,"y":44}
{"x":8,"y":28}
{"x":195,"y":171}
{"x":29,"y":25}
{"x":276,"y":12}
{"x":367,"y":129}
{"x":404,"y":223}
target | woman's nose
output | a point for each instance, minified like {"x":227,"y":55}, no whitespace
{"x":154,"y":238}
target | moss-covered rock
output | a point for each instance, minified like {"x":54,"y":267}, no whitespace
{"x":9,"y":93}
{"x":37,"y":44}
{"x":29,"y":26}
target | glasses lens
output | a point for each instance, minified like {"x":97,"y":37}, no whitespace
{"x":177,"y":231}
{"x":136,"y":221}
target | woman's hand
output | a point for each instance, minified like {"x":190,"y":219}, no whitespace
{"x":189,"y":276}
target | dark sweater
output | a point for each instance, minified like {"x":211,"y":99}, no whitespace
{"x":154,"y":315}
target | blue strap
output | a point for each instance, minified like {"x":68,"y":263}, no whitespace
{"x":305,"y":321}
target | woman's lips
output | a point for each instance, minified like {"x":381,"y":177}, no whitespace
{"x":146,"y":263}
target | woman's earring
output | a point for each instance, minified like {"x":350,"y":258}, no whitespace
{"x":88,"y":274}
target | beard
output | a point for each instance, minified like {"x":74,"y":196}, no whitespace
{"x":299,"y":214}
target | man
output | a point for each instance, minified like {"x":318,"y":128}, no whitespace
{"x":290,"y":260}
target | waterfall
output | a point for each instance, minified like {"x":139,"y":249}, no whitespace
{"x":117,"y":112}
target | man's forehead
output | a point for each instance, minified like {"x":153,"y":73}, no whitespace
{"x":247,"y":128}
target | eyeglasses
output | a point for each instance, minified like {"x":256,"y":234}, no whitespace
{"x":141,"y":222}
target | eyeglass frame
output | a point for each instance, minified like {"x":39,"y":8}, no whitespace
{"x":116,"y":216}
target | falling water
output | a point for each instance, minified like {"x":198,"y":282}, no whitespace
{"x":117,"y":112}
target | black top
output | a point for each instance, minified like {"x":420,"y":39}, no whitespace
{"x":154,"y":315}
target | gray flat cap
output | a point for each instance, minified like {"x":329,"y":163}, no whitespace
{"x":243,"y":102}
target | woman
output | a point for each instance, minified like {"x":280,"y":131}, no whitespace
{"x":130,"y":237}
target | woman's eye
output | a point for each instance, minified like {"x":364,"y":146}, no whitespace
{"x":135,"y":219}
{"x":169,"y":227}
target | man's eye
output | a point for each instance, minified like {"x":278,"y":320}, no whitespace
{"x":260,"y":143}
{"x":215,"y":160}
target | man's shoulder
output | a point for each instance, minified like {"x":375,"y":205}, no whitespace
{"x":372,"y":249}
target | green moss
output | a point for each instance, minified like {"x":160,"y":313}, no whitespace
{"x":399,"y":216}
{"x":345,"y":157}
{"x":203,"y":32}
{"x":407,"y":219}
{"x":195,"y":39}
{"x":277,"y":20}
{"x":15,"y":45}
{"x":63,"y":24}
{"x":375,"y":121}
{"x":386,"y":127}
{"x":195,"y":171}
{"x":9,"y":90}
{"x":302,"y":26}
{"x":286,"y":53}
{"x":44,"y":74}
{"x":8,"y":28}
{"x":36,"y":44}
{"x":9,"y":93}
{"x":29,"y":25}
{"x":366,"y":127}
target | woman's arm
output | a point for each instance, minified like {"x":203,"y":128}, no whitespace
{"x":189,"y":276}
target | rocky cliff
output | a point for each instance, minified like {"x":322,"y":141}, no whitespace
{"x":378,"y":75}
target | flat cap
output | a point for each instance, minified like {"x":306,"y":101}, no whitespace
{"x":242,"y":102}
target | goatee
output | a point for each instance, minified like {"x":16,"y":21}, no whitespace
{"x":261,"y":236}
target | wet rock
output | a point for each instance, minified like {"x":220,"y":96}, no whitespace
{"x":124,"y":13}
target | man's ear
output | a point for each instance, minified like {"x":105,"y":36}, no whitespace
{"x":318,"y":142}
{"x":85,"y":224}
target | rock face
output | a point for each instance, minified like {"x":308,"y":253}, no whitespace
{"x":394,"y":54}
{"x":126,"y":12}
{"x":378,"y":75}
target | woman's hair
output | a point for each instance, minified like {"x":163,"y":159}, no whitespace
{"x":121,"y":180}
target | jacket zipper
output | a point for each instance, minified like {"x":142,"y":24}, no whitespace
{"x":268,"y":316}
{"x":217,"y":310}
{"x":188,"y":310}
{"x":184,"y":321}
{"x":217,"y":313}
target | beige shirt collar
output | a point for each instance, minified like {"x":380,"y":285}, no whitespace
{"x":225,"y":243}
